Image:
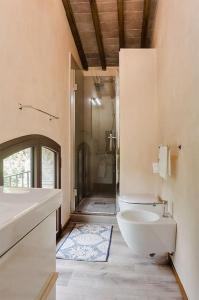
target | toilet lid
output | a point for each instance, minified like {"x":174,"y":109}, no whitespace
{"x":138,"y":198}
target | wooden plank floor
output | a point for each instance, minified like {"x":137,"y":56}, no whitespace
{"x":123,"y":277}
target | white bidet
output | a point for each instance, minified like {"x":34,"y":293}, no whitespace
{"x":147,"y":233}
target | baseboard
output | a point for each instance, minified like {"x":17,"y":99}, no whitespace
{"x":66,"y":224}
{"x":184,"y":295}
{"x":59,"y":236}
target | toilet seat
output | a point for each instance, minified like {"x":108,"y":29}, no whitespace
{"x":139,"y":201}
{"x":138,"y":198}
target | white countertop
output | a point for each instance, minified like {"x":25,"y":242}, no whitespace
{"x":23,"y":209}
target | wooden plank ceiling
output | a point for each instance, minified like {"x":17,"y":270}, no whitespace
{"x":101,"y":27}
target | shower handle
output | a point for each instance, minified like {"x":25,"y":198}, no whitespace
{"x":111,"y":137}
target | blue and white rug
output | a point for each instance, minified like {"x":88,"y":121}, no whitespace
{"x":88,"y":242}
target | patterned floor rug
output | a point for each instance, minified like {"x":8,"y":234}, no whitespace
{"x":88,"y":242}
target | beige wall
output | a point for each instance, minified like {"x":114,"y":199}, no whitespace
{"x":177,"y":42}
{"x":35,"y":42}
{"x":138,"y":121}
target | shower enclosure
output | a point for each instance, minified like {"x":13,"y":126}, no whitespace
{"x":95,"y":144}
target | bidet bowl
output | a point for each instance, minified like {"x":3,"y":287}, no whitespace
{"x":147,"y":233}
{"x":139,"y":216}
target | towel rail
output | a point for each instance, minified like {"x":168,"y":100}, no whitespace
{"x":21,"y":107}
{"x":179,"y":147}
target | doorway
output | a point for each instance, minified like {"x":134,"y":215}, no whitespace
{"x":95,"y":144}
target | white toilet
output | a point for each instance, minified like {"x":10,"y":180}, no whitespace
{"x":147,"y":202}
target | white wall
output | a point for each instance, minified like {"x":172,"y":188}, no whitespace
{"x":35,"y":42}
{"x":138,"y":121}
{"x":177,"y":42}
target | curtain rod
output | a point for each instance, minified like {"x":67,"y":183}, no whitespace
{"x":21,"y":106}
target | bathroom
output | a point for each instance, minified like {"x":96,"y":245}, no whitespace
{"x":99,"y":149}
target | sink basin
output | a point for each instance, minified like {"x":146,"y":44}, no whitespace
{"x":21,"y":210}
{"x":13,"y":190}
{"x":140,"y":216}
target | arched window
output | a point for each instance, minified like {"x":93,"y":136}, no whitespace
{"x":31,"y":161}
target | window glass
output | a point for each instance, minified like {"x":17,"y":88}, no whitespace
{"x":17,"y":169}
{"x":48,"y":168}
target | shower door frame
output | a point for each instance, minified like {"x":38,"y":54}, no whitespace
{"x":72,"y":163}
{"x":72,"y":89}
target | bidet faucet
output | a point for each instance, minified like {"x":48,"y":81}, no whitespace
{"x":165,"y":212}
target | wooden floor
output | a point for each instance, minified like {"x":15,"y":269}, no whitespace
{"x":123,"y":277}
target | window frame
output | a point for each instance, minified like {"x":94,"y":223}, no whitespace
{"x":55,"y":158}
{"x":35,"y":142}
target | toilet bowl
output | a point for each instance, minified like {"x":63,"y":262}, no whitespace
{"x":140,"y":201}
{"x":147,"y":233}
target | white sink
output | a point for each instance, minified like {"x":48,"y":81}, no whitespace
{"x":147,"y":233}
{"x":22,"y":210}
{"x":140,"y":216}
{"x":13,"y":190}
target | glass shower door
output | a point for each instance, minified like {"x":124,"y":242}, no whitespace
{"x":95,"y":144}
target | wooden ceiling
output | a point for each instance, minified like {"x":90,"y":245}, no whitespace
{"x":101,"y":27}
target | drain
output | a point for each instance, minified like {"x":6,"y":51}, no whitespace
{"x":152,"y":254}
{"x":100,"y":203}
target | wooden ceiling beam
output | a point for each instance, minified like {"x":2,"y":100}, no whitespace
{"x":98,"y":33}
{"x":146,"y":12}
{"x":120,"y":12}
{"x":75,"y":33}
